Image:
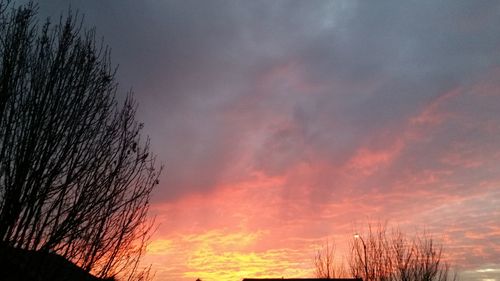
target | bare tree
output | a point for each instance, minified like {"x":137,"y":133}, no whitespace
{"x":392,"y":255}
{"x":75,"y":173}
{"x":325,"y":264}
{"x":370,"y":257}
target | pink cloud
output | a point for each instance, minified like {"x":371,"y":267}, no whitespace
{"x":281,"y":197}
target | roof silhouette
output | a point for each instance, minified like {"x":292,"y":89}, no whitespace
{"x":303,"y":279}
{"x":27,"y":265}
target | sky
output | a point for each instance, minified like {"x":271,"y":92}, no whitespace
{"x":284,"y":124}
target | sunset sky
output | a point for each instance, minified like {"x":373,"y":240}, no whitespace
{"x":284,"y":124}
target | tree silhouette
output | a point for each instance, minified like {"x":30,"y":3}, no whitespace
{"x":392,"y":255}
{"x":325,"y":264}
{"x":75,"y":174}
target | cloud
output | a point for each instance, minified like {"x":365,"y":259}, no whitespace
{"x":282,"y":123}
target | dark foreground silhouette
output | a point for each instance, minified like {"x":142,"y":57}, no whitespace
{"x":25,"y":265}
{"x":302,"y":279}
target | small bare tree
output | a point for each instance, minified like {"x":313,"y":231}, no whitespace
{"x":75,"y":173}
{"x":325,"y":264}
{"x":381,"y":255}
{"x":369,"y":256}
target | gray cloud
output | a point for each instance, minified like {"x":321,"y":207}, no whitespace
{"x":197,"y":68}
